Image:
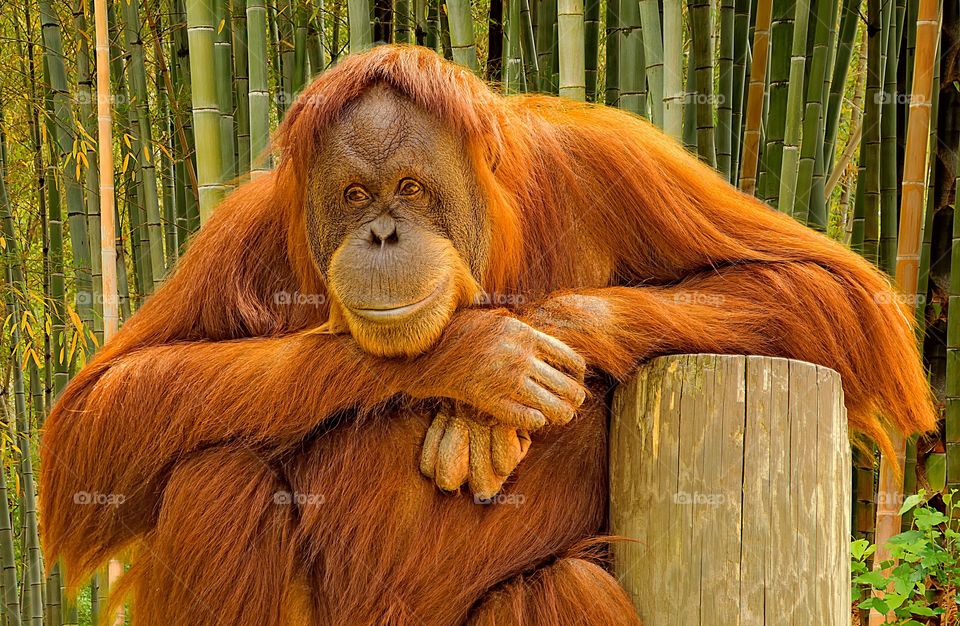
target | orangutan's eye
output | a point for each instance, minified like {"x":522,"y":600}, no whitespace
{"x":356,"y":194}
{"x":409,"y":187}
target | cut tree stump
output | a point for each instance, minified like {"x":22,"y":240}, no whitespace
{"x":732,"y":475}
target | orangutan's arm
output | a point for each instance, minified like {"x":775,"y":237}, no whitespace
{"x":795,"y":310}
{"x":122,"y":423}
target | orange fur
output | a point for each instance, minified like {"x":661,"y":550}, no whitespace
{"x":604,"y":233}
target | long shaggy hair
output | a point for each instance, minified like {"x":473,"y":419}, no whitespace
{"x":585,"y":205}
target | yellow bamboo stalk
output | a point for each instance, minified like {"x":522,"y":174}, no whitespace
{"x":755,"y":97}
{"x":915,"y":168}
{"x":108,"y":246}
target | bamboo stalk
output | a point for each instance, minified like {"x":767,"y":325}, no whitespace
{"x":462,"y":40}
{"x":795,"y":113}
{"x":741,"y":46}
{"x":513,"y":63}
{"x":632,"y":82}
{"x":8,"y":556}
{"x":755,"y":97}
{"x":673,"y":86}
{"x":591,"y":23}
{"x":871,"y":133}
{"x":259,"y":96}
{"x":145,"y":159}
{"x":908,"y":247}
{"x":724,"y":131}
{"x":206,"y":106}
{"x":571,"y":32}
{"x":653,"y":58}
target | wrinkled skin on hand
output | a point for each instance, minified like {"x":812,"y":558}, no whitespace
{"x":466,"y":446}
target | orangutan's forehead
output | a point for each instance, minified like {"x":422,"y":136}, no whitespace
{"x":383,"y":126}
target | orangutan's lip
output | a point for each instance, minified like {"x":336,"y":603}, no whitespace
{"x":393,"y":314}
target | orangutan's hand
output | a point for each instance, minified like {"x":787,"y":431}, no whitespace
{"x":463,"y":445}
{"x":517,"y":375}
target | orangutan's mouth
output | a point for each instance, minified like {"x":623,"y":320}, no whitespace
{"x":387,"y":314}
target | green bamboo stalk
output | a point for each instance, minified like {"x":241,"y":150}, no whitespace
{"x":446,"y":45}
{"x":591,"y":24}
{"x":781,"y":36}
{"x":32,"y":610}
{"x":145,"y":160}
{"x":223,"y":67}
{"x":546,"y":35}
{"x":702,"y":65}
{"x":301,"y":29}
{"x":259,"y":96}
{"x":741,"y":50}
{"x":283,"y":18}
{"x":871,"y":133}
{"x":633,"y":84}
{"x":206,"y":106}
{"x":690,"y":110}
{"x":241,"y":88}
{"x":512,"y":61}
{"x":361,"y":35}
{"x":462,"y":40}
{"x":810,"y":205}
{"x":673,"y":85}
{"x":849,"y":19}
{"x":316,"y":43}
{"x":182,"y":87}
{"x":65,"y":158}
{"x":725,"y":132}
{"x":653,"y":57}
{"x":571,"y":34}
{"x":611,"y":81}
{"x":791,"y":137}
{"x":431,"y":38}
{"x":889,"y":214}
{"x":952,"y":387}
{"x":402,"y":21}
{"x":531,"y":70}
{"x":14,"y":275}
{"x":168,"y":182}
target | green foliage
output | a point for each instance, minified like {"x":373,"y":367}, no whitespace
{"x":925,"y":570}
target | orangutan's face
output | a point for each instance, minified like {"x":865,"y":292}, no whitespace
{"x":396,"y":223}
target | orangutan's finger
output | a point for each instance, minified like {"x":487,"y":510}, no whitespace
{"x":485,"y":481}
{"x":559,"y":383}
{"x":431,"y":444}
{"x":561,"y":355}
{"x":506,"y":449}
{"x":453,"y":456}
{"x":554,"y":408}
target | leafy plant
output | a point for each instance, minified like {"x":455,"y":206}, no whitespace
{"x":917,"y":587}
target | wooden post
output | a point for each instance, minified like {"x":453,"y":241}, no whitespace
{"x":732,"y":474}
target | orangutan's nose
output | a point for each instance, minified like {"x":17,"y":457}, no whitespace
{"x":383,"y":231}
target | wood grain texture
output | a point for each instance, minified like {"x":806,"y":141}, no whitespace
{"x":732,"y":474}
